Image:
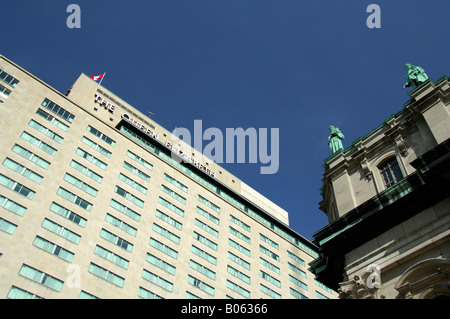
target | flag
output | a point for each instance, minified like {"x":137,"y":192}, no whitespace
{"x":97,"y":77}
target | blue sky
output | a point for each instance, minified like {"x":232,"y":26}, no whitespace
{"x":299,"y":66}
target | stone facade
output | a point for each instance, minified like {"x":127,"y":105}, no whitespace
{"x":386,"y":198}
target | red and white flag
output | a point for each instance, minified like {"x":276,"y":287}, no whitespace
{"x":97,"y":77}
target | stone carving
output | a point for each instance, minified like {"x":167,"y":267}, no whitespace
{"x":365,"y":286}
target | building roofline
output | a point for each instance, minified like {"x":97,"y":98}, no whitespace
{"x":397,"y":114}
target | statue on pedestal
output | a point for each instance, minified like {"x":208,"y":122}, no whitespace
{"x":416,"y":75}
{"x":335,"y":139}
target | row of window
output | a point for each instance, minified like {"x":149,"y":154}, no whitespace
{"x":10,"y":81}
{"x":73,"y":237}
{"x":225,"y":194}
{"x":89,"y":189}
{"x":207,"y":242}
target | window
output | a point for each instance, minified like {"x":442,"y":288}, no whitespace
{"x":296,"y":294}
{"x":159,"y":281}
{"x":240,"y":223}
{"x":4,"y":92}
{"x":171,"y":206}
{"x":238,"y":274}
{"x":269,"y":265}
{"x":7,"y":226}
{"x":390,"y":170}
{"x":298,"y":282}
{"x":80,"y":184}
{"x":207,"y":228}
{"x":17,"y":187}
{"x":163,"y":248}
{"x":175,"y":182}
{"x":61,"y":231}
{"x":109,"y":255}
{"x":58,"y":110}
{"x":320,"y":296}
{"x":86,"y":295}
{"x":96,"y":147}
{"x":53,"y":120}
{"x":125,"y":210}
{"x":158,"y":262}
{"x":207,"y":215}
{"x":120,"y":224}
{"x":169,"y":220}
{"x":164,"y":232}
{"x":22,"y":170}
{"x":296,"y":258}
{"x":135,"y":200}
{"x":53,"y":249}
{"x":44,"y":130}
{"x":239,"y":247}
{"x":101,"y":136}
{"x":205,"y":241}
{"x":38,"y":143}
{"x":132,"y":183}
{"x":86,"y":171}
{"x":173,"y":194}
{"x":116,"y":240}
{"x":269,"y":292}
{"x":136,"y":171}
{"x":268,"y":241}
{"x":106,"y":274}
{"x":203,"y":254}
{"x":12,"y":206}
{"x":190,"y":295}
{"x":147,"y":294}
{"x":17,"y":293}
{"x":209,"y":203}
{"x":202,"y":269}
{"x":269,"y":278}
{"x":41,"y":277}
{"x":64,"y":212}
{"x":31,"y":156}
{"x":321,"y":285}
{"x":269,"y":253}
{"x":296,"y":270}
{"x":238,"y":260}
{"x":94,"y":160}
{"x":239,"y":235}
{"x":8,"y":79}
{"x":243,"y":292}
{"x":139,"y":160}
{"x":74,"y":199}
{"x":200,"y":285}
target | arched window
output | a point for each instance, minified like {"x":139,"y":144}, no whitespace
{"x":390,"y":171}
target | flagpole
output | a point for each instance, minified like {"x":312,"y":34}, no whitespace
{"x":102,"y":78}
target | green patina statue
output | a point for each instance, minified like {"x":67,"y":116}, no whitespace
{"x":335,"y":139}
{"x":416,"y":75}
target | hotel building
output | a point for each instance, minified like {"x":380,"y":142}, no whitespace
{"x":99,"y":201}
